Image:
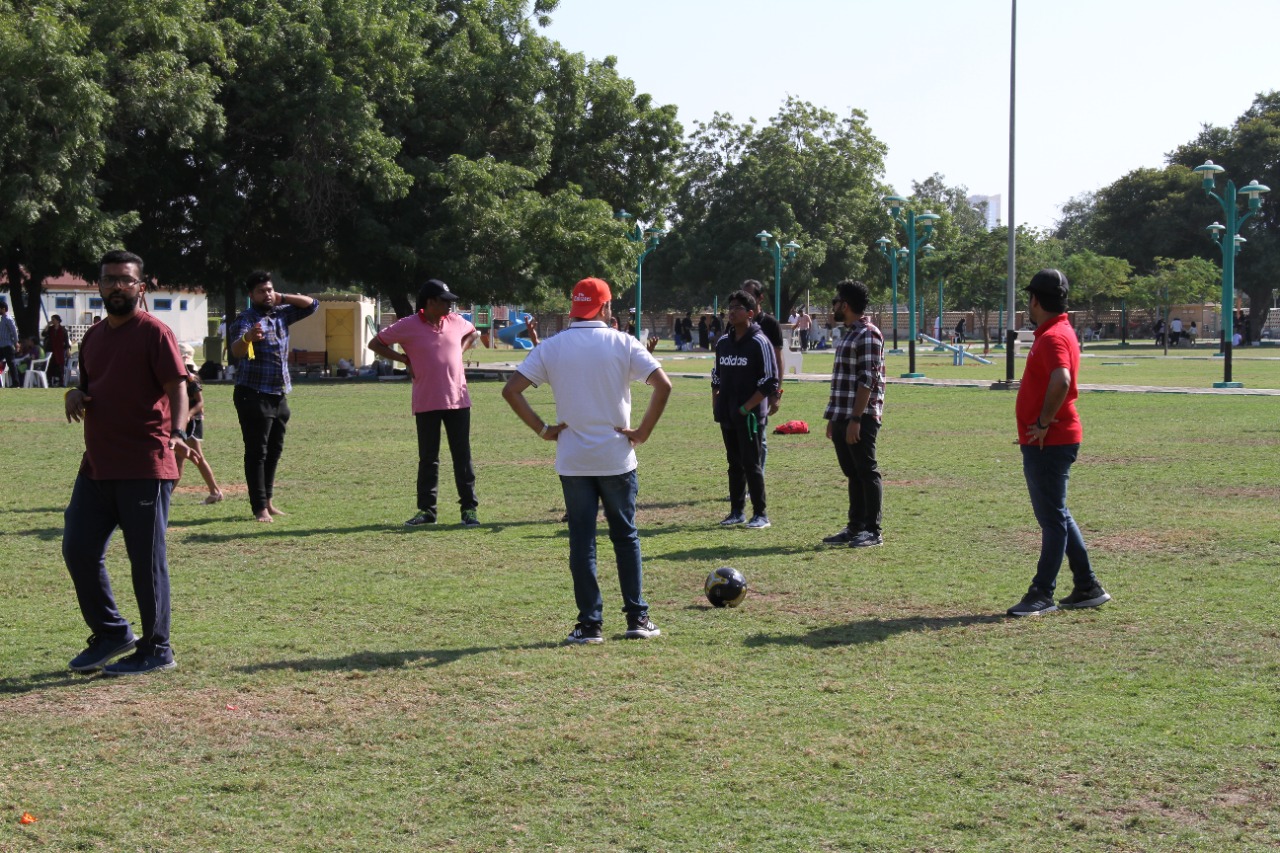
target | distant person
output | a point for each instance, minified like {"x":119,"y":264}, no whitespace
{"x":8,"y":342}
{"x":804,"y":324}
{"x":1049,"y":432}
{"x":704,"y":333}
{"x":58,"y":345}
{"x":854,"y":412}
{"x":960,"y":332}
{"x":1175,"y":331}
{"x":743,"y":377}
{"x":1159,"y":332}
{"x":1192,"y":331}
{"x":132,"y":399}
{"x":28,"y":354}
{"x":195,"y":425}
{"x":260,"y":347}
{"x":717,"y":327}
{"x":590,"y":370}
{"x":434,"y":340}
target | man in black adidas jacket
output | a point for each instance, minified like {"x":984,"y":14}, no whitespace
{"x":743,"y":379}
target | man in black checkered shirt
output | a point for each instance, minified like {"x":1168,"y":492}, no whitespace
{"x":853,"y":414}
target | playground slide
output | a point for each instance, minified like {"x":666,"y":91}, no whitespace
{"x":511,"y":334}
{"x":954,"y":349}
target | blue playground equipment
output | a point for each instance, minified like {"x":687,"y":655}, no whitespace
{"x":511,"y":334}
{"x":959,"y":352}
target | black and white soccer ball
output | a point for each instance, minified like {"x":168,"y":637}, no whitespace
{"x":726,"y":587}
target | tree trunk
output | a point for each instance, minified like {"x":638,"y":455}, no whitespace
{"x":401,"y":305}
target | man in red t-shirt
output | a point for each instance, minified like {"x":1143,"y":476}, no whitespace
{"x":1050,"y":433}
{"x":132,"y":398}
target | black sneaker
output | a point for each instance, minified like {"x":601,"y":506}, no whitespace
{"x":759,"y":522}
{"x":1033,"y":603}
{"x":589,"y":632}
{"x":641,"y":627}
{"x":423,"y":517}
{"x":101,"y":651}
{"x":733,"y":518}
{"x":140,"y":663}
{"x":470,"y":519}
{"x":844,"y":537}
{"x":1093,"y":596}
{"x":866,"y":539}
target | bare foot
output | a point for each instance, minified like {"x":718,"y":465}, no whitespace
{"x":213,"y":498}
{"x":264,"y":517}
{"x":271,"y":508}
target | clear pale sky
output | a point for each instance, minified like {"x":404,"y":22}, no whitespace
{"x":1104,"y":86}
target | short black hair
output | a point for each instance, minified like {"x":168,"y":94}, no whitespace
{"x":854,"y":294}
{"x":120,"y":256}
{"x":256,"y":278}
{"x":743,"y":298}
{"x":753,"y":287}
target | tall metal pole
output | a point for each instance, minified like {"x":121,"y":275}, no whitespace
{"x":1012,"y":294}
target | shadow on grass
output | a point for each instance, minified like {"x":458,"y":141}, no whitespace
{"x":370,"y":661}
{"x":722,"y":550}
{"x":54,"y":534}
{"x":33,"y":510}
{"x":42,"y":681}
{"x":872,"y":630}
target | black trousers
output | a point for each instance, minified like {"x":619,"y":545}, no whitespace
{"x":746,"y":465}
{"x":858,"y":462}
{"x":263,"y":420}
{"x":140,"y":509}
{"x":457,"y":427}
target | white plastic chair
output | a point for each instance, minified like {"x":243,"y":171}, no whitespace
{"x":71,"y":373}
{"x":37,"y":375}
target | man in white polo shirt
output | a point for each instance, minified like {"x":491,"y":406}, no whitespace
{"x":590,"y":367}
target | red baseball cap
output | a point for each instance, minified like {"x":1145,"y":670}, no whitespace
{"x":589,"y":295}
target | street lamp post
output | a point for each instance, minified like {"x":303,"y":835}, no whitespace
{"x":1230,"y":247}
{"x":892,"y":255}
{"x":650,"y":237}
{"x":909,"y":223}
{"x":782,"y":255}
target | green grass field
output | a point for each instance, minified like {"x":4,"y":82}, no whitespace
{"x":347,"y":684}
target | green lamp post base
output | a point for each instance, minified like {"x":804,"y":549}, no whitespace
{"x":911,"y":376}
{"x":1228,"y":385}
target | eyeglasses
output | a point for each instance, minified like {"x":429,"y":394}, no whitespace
{"x":735,"y":307}
{"x":111,"y":282}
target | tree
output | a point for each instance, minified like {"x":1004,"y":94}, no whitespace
{"x":808,"y":176}
{"x":1249,"y":150}
{"x":1097,"y":281}
{"x":1174,"y":282}
{"x":1076,"y":228}
{"x":54,"y":108}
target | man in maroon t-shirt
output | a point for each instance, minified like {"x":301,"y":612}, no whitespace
{"x":1049,"y":432}
{"x":132,"y":398}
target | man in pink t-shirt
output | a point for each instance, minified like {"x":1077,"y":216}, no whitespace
{"x":433,"y":341}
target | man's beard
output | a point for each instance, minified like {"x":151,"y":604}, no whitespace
{"x":119,"y":305}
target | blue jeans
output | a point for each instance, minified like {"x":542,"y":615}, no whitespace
{"x":140,"y":508}
{"x":1047,"y":471}
{"x":582,"y":498}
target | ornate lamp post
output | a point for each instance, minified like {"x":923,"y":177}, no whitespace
{"x":650,"y":237}
{"x":1229,"y":247}
{"x":892,"y":255}
{"x":782,"y":255}
{"x":911,"y":221}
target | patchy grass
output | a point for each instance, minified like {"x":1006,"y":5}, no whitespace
{"x":347,"y":684}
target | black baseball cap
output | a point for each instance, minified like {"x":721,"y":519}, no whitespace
{"x":436,"y":289}
{"x":1050,"y":283}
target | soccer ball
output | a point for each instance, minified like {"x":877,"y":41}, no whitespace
{"x":726,"y":587}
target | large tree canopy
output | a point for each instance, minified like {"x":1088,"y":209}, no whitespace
{"x":808,"y":176}
{"x":376,"y":142}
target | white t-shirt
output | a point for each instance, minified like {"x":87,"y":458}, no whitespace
{"x":590,"y":368}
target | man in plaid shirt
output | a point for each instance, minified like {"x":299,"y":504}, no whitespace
{"x":853,"y":414}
